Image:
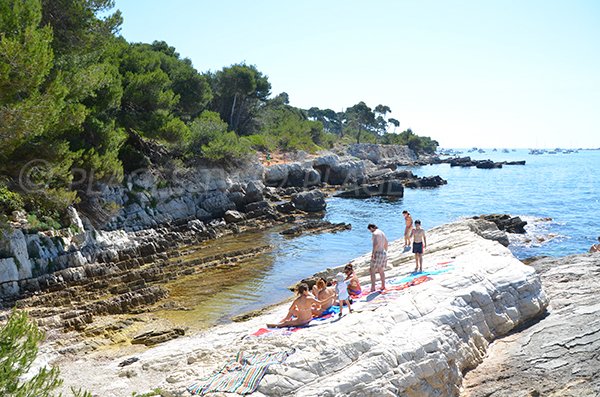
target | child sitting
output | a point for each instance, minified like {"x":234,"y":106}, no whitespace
{"x":353,"y":285}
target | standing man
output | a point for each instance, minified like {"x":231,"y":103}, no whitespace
{"x":407,"y":228}
{"x":378,"y":256}
{"x":419,"y":244}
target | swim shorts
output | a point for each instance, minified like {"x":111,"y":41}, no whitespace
{"x":417,"y":248}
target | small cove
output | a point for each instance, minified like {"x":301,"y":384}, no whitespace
{"x":563,"y":187}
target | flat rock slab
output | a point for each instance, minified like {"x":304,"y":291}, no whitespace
{"x":417,"y":339}
{"x":560,"y":354}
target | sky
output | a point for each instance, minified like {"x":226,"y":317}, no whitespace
{"x":505,"y":74}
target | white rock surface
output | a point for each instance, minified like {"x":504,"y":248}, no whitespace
{"x":417,"y":345}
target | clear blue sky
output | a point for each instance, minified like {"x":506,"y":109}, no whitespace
{"x":517,"y":73}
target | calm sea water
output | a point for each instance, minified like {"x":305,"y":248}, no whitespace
{"x":563,"y":187}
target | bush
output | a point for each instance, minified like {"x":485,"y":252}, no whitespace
{"x":205,"y":129}
{"x":9,"y":201}
{"x":49,"y":206}
{"x":262,"y":142}
{"x":227,"y":146}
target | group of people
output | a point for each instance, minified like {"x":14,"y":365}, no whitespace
{"x":327,"y":293}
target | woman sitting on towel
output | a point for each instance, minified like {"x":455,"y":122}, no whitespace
{"x":324,"y":294}
{"x":300,"y":312}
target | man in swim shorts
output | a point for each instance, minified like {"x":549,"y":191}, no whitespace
{"x":378,"y":256}
{"x":419,"y":244}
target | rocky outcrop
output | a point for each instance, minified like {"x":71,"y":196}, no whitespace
{"x":417,"y":342}
{"x":312,"y":201}
{"x":386,"y":188}
{"x":557,"y":355}
{"x":485,"y":164}
{"x":426,"y":181}
{"x":316,"y":226}
{"x":383,"y":153}
{"x":511,"y":224}
{"x":489,"y":230}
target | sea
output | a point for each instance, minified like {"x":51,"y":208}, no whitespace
{"x":557,"y":194}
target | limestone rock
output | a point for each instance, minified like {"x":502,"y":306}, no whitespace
{"x":312,"y":201}
{"x":557,"y":355}
{"x":233,"y":216}
{"x":315,"y":226}
{"x":378,"y":153}
{"x":418,"y":343}
{"x":506,"y":222}
{"x":387,"y":188}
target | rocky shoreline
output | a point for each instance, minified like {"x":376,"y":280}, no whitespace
{"x":419,"y":343}
{"x":557,"y":355}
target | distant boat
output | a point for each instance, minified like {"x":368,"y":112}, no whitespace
{"x":513,"y":150}
{"x":481,"y":151}
{"x":536,"y":151}
{"x":494,"y":150}
{"x":504,"y":150}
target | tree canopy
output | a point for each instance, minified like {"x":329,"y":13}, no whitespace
{"x":76,"y":99}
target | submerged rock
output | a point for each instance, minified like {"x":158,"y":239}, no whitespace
{"x":316,"y":226}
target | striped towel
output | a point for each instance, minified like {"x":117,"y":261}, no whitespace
{"x":241,"y":375}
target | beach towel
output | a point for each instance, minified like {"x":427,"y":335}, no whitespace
{"x":326,"y":316}
{"x":242,"y":375}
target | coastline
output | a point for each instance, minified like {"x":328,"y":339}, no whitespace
{"x":431,"y":331}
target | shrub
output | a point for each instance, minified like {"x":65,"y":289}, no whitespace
{"x":9,"y":201}
{"x":205,"y":129}
{"x":263,"y":142}
{"x":227,"y":146}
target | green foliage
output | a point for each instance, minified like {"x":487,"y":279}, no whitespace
{"x":46,"y":223}
{"x":417,"y":143}
{"x":72,"y":94}
{"x":263,"y":142}
{"x":155,"y":392}
{"x":30,"y":102}
{"x":9,"y":201}
{"x":239,"y":93}
{"x":19,"y":340}
{"x":204,"y":129}
{"x":227,"y":147}
{"x":287,"y":128}
{"x":161,"y":92}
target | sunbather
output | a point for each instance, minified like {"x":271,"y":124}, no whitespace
{"x":300,"y":312}
{"x":324,"y":294}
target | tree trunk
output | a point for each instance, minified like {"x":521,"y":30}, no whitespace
{"x":232,"y":111}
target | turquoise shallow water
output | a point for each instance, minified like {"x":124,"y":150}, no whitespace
{"x":564,"y":187}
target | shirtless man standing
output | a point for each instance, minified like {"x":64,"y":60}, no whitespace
{"x":378,"y":256}
{"x":419,"y":244}
{"x":407,"y":228}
